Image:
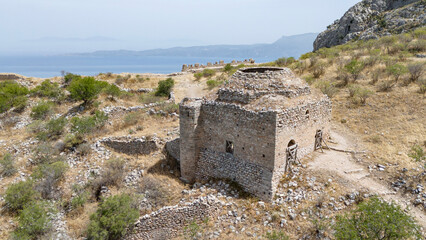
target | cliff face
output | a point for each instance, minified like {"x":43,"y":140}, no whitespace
{"x":371,"y":19}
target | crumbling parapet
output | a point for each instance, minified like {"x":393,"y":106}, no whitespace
{"x":131,"y":145}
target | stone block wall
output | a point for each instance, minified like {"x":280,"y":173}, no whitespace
{"x":130,"y":145}
{"x":169,"y":222}
{"x":9,"y":76}
{"x":252,"y":177}
{"x":173,"y":149}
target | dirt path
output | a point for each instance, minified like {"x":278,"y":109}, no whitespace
{"x":357,"y":176}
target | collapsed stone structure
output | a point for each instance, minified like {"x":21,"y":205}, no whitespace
{"x":251,"y":129}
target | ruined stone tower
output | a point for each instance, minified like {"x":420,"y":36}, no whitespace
{"x":251,"y":128}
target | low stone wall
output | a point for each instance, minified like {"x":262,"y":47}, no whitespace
{"x":168,"y":222}
{"x":173,"y":149}
{"x":9,"y":76}
{"x":252,"y":177}
{"x":130,"y":145}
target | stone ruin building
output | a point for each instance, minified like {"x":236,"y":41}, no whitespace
{"x":252,"y":129}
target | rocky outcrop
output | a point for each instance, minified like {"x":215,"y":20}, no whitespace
{"x":371,"y":19}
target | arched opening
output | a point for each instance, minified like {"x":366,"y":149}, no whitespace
{"x":291,"y":143}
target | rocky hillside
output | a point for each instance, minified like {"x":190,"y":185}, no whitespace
{"x":370,"y":19}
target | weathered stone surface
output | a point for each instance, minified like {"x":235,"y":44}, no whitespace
{"x":131,"y":146}
{"x":259,"y":112}
{"x":168,"y":222}
{"x":173,"y":149}
{"x":371,"y":19}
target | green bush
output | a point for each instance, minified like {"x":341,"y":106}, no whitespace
{"x":19,"y":194}
{"x":42,"y":110}
{"x":147,"y":98}
{"x":113,"y":91}
{"x":69,"y":77}
{"x":422,"y":85}
{"x":376,"y":219}
{"x":327,"y":88}
{"x":198,"y":76}
{"x":228,"y":67}
{"x":33,"y":222}
{"x":354,"y":68}
{"x":55,"y":127}
{"x":417,"y":153}
{"x":318,"y":70}
{"x":417,"y":46}
{"x":359,"y":93}
{"x":113,"y":218}
{"x":86,"y":89}
{"x":165,"y":87}
{"x":274,"y":235}
{"x":7,"y":165}
{"x":211,"y":83}
{"x":89,"y":124}
{"x":396,"y":71}
{"x":73,"y":140}
{"x":49,"y":176}
{"x":12,"y":94}
{"x":208,"y":73}
{"x":48,"y":89}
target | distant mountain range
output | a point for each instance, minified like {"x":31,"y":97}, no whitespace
{"x":287,"y":46}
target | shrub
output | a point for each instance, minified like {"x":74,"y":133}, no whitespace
{"x":209,"y":73}
{"x":42,"y":110}
{"x":422,"y":85}
{"x":417,"y":46}
{"x":376,"y":219}
{"x":55,"y":127}
{"x":274,"y":235}
{"x":165,"y":87}
{"x":318,"y":70}
{"x":417,"y":153}
{"x":19,"y":194}
{"x":89,"y":124}
{"x":69,"y":77}
{"x":354,"y":68}
{"x":49,"y":175}
{"x":113,"y":91}
{"x":211,"y":83}
{"x":33,"y":222}
{"x":80,"y":197}
{"x":168,"y":107}
{"x":148,"y":98}
{"x":375,"y":75}
{"x":415,"y":70}
{"x":281,"y":62}
{"x":84,"y":149}
{"x":113,"y":218}
{"x":7,"y":165}
{"x":154,"y":190}
{"x":309,"y":79}
{"x":198,"y":76}
{"x":73,"y":140}
{"x":327,"y":88}
{"x":48,"y":89}
{"x":228,"y":67}
{"x":45,"y":153}
{"x":13,"y":95}
{"x":111,"y":176}
{"x":132,"y":119}
{"x":85,"y":89}
{"x":396,"y":71}
{"x":362,"y":94}
{"x":385,"y":86}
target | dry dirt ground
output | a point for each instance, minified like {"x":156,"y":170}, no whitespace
{"x":353,"y":174}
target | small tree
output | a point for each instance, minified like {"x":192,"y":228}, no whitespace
{"x":113,"y":91}
{"x":355,"y":68}
{"x":396,"y":71}
{"x":12,"y":94}
{"x":165,"y":87}
{"x":48,"y":89}
{"x":85,"y":89}
{"x":112,"y":219}
{"x":376,"y":219}
{"x":42,"y":110}
{"x":228,"y":67}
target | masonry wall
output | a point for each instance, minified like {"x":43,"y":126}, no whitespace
{"x":169,"y":222}
{"x":130,"y":145}
{"x":295,"y":124}
{"x":189,"y":139}
{"x":253,"y":137}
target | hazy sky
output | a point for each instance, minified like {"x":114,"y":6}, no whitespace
{"x":62,"y":26}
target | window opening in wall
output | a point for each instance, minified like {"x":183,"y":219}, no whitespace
{"x":230,"y":147}
{"x":188,"y":114}
{"x":291,"y":154}
{"x":307,"y":114}
{"x":263,"y":155}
